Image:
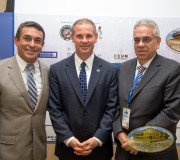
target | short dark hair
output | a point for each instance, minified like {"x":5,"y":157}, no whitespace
{"x":29,"y":24}
{"x":84,"y":21}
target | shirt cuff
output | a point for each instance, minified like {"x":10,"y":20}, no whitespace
{"x":67,"y":141}
{"x":99,"y":141}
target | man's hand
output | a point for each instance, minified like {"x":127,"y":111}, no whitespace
{"x":87,"y":148}
{"x":90,"y":144}
{"x":79,"y":148}
{"x":122,"y":137}
{"x":74,"y":143}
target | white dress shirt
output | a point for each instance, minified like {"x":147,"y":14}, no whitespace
{"x":88,"y":68}
{"x":36,"y":73}
{"x":146,"y":65}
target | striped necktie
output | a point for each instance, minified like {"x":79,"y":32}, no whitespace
{"x":141,"y":69}
{"x":82,"y":80}
{"x":32,"y":90}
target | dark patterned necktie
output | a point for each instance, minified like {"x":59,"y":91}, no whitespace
{"x":32,"y":90}
{"x":82,"y":80}
{"x":141,"y":69}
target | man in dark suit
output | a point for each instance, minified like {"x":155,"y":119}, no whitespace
{"x":155,"y":99}
{"x":22,"y":120}
{"x":83,"y":120}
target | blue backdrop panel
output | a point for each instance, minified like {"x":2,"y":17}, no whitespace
{"x":6,"y":35}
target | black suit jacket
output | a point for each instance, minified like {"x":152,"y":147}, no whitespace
{"x":72,"y":117}
{"x":155,"y":102}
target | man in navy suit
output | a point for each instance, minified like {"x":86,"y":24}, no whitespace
{"x":83,"y":120}
{"x":155,"y":101}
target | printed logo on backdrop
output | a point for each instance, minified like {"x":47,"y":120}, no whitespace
{"x":173,"y":39}
{"x":65,"y":32}
{"x":46,"y":54}
{"x":120,"y":55}
{"x":69,"y":52}
{"x":99,"y":32}
{"x":51,"y":138}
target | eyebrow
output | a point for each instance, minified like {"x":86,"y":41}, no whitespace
{"x":143,"y":37}
{"x":27,"y":35}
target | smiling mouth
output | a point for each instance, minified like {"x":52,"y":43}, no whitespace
{"x":30,"y":52}
{"x":141,"y":51}
{"x":84,"y":47}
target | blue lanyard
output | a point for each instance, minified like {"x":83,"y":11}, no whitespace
{"x":134,"y":86}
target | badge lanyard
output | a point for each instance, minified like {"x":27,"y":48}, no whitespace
{"x":126,"y":110}
{"x":130,"y":93}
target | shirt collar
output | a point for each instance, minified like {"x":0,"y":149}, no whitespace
{"x":88,"y":61}
{"x":146,"y":65}
{"x":22,"y":64}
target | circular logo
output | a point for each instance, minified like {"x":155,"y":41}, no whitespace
{"x":173,"y":39}
{"x":65,"y":32}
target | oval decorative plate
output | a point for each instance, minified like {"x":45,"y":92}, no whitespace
{"x":150,"y":139}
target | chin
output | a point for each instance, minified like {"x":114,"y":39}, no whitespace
{"x":141,"y":56}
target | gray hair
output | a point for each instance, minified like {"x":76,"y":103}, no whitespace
{"x":29,"y":24}
{"x":149,"y":23}
{"x":84,"y":21}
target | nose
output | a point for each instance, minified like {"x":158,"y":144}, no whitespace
{"x":32,"y":43}
{"x":141,"y":43}
{"x":84,"y":39}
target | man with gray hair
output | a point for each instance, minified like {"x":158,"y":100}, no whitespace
{"x":149,"y":92}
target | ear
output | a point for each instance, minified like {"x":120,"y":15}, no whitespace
{"x":158,"y":42}
{"x":96,"y":37}
{"x":16,"y":40}
{"x":72,"y":38}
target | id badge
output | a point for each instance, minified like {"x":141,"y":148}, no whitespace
{"x":126,"y":117}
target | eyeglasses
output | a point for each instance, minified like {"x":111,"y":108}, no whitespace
{"x":144,"y":40}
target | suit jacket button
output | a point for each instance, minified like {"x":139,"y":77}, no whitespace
{"x":85,"y":113}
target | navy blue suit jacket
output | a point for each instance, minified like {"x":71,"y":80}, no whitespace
{"x":72,"y":117}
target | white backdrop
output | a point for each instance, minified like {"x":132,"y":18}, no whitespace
{"x":116,"y":19}
{"x":122,"y":8}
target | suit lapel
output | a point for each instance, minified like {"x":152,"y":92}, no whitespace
{"x":149,"y":74}
{"x":130,"y":75}
{"x":15,"y":74}
{"x":72,"y":74}
{"x":96,"y":72}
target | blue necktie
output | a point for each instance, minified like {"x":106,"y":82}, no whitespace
{"x":32,"y":90}
{"x":82,"y":80}
{"x":138,"y":78}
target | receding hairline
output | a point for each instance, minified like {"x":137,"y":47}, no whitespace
{"x":148,"y":23}
{"x":84,"y":21}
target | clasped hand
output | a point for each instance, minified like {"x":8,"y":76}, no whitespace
{"x":84,"y":148}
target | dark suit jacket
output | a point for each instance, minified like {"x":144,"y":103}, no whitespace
{"x":155,"y":102}
{"x":71,"y":117}
{"x":22,"y":133}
